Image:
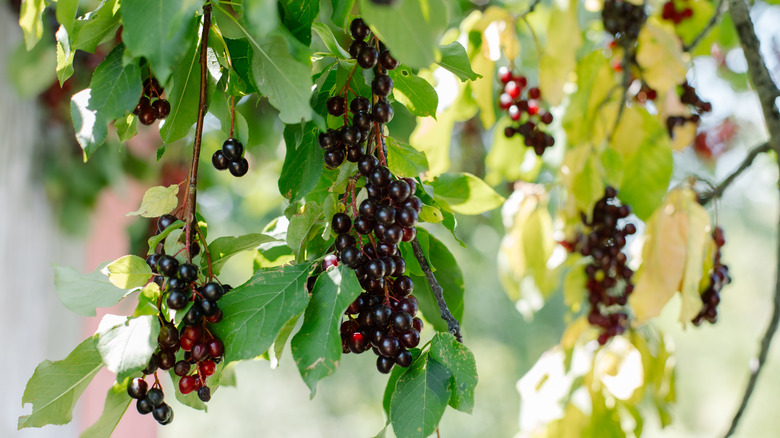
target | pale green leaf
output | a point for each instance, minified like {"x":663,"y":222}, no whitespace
{"x":455,"y":59}
{"x":126,"y":343}
{"x":465,"y":193}
{"x":446,"y":350}
{"x":30,"y":19}
{"x":114,"y":408}
{"x":223,"y":248}
{"x":158,"y":201}
{"x":129,"y":272}
{"x":420,"y":397}
{"x":404,"y":160}
{"x":83,"y":293}
{"x":414,"y":92}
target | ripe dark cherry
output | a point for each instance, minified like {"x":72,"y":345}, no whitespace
{"x":410,"y":339}
{"x":334,"y":158}
{"x":399,"y":191}
{"x":204,"y":393}
{"x":355,"y":47}
{"x":360,"y":103}
{"x":212,"y":291}
{"x":187,"y":384}
{"x":215,"y":348}
{"x":329,"y":261}
{"x":168,"y":336}
{"x":194,"y":316}
{"x":165,"y":221}
{"x":167,"y":265}
{"x":366,"y":164}
{"x":404,"y":358}
{"x":385,"y":215}
{"x":335,"y":106}
{"x":359,"y":29}
{"x":188,"y":272}
{"x":362,"y":120}
{"x":383,"y":112}
{"x":341,"y":223}
{"x":384,"y":364}
{"x":387,"y":61}
{"x":147,"y":115}
{"x":382,"y":85}
{"x":343,"y":241}
{"x":354,"y":153}
{"x":239,"y":167}
{"x":137,"y":388}
{"x":380,"y":176}
{"x":219,"y":160}
{"x":233,"y":149}
{"x":143,"y":406}
{"x":366,"y":57}
{"x":364,"y":225}
{"x":350,"y":135}
{"x":161,"y":108}
{"x":350,"y":256}
{"x":155,"y":397}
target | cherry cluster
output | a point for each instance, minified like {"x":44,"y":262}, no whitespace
{"x":522,"y":105}
{"x":383,"y":317}
{"x":231,"y":157}
{"x":623,"y":19}
{"x":609,"y":279}
{"x":671,"y":13}
{"x":150,"y":400}
{"x":347,"y":142}
{"x":182,"y":287}
{"x":719,"y":277}
{"x":698,"y":107}
{"x":147,"y":110}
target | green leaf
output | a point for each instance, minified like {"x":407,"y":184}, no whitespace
{"x":158,"y":201}
{"x":303,"y":162}
{"x":159,"y":237}
{"x":65,"y":55}
{"x":55,"y":387}
{"x":327,"y":37}
{"x":282,"y":72}
{"x":129,"y":272}
{"x":341,"y":10}
{"x":404,"y":160}
{"x":316,"y":347}
{"x":261,"y":15}
{"x":184,"y":94}
{"x":126,"y":343}
{"x":455,"y":59}
{"x":113,"y":92}
{"x":126,"y":127}
{"x":509,"y":159}
{"x":241,"y":58}
{"x":66,"y":13}
{"x":30,"y":19}
{"x":393,"y":380}
{"x":83,"y":293}
{"x":449,"y":276}
{"x":223,"y":248}
{"x":256,"y":311}
{"x":157,"y":30}
{"x":114,"y":408}
{"x":559,"y":58}
{"x":420,"y":397}
{"x":446,"y":350}
{"x":33,"y":71}
{"x":410,"y":28}
{"x":414,"y":92}
{"x":298,"y":17}
{"x":85,"y":33}
{"x":465,"y":193}
{"x":303,"y":226}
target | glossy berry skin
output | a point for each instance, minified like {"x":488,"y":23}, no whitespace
{"x":387,"y":61}
{"x":359,"y":29}
{"x":167,"y":265}
{"x":233,"y":149}
{"x":168,"y":336}
{"x":188,"y":272}
{"x":360,"y":103}
{"x":194,"y":316}
{"x":403,"y":287}
{"x":385,"y":215}
{"x":354,"y":153}
{"x":219,"y":161}
{"x":343,"y":241}
{"x":383,"y":112}
{"x":382,"y":85}
{"x":193,"y":333}
{"x":362,"y":120}
{"x":384,"y":364}
{"x":152,"y":262}
{"x":143,"y":406}
{"x":204,"y":393}
{"x":380,"y":176}
{"x":147,"y":115}
{"x":404,"y":358}
{"x":137,"y":388}
{"x":341,"y":223}
{"x":335,"y":106}
{"x":350,"y":135}
{"x":329,"y":261}
{"x":152,"y":366}
{"x":155,"y":397}
{"x":367,"y":57}
{"x":334,"y":159}
{"x":215,"y":348}
{"x":239,"y":167}
{"x":399,"y":191}
{"x":161,"y":108}
{"x":366,"y":164}
{"x":329,"y":139}
{"x":199,"y":352}
{"x":212,"y":291}
{"x":165,"y":221}
{"x":182,"y":368}
{"x":401,"y":321}
{"x":356,"y":47}
{"x":163,"y":414}
{"x":350,"y":256}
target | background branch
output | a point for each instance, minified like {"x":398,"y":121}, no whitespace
{"x":713,"y":21}
{"x":767,"y":93}
{"x":718,"y":190}
{"x":452,"y":324}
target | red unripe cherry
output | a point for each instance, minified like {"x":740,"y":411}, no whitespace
{"x":504,"y":74}
{"x":186,"y":343}
{"x":187,"y":384}
{"x":534,"y":93}
{"x":512,"y":89}
{"x":207,"y":367}
{"x":533,"y":108}
{"x":504,"y":101}
{"x":193,"y":333}
{"x":216,"y":348}
{"x":521,"y":81}
{"x":514,"y":113}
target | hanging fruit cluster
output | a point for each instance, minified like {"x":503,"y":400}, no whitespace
{"x":718,"y":279}
{"x":522,"y":105}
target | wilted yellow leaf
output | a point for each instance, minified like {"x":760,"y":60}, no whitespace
{"x":672,"y":255}
{"x":559,"y":58}
{"x":660,"y":56}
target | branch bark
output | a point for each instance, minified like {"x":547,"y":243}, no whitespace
{"x":192,"y":189}
{"x":767,"y":94}
{"x":452,"y":324}
{"x":718,"y":190}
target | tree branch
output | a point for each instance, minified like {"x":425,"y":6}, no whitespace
{"x":192,"y":189}
{"x":713,"y":21}
{"x":452,"y":324}
{"x":767,"y":92}
{"x":718,"y":190}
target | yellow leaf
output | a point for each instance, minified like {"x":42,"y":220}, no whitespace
{"x":580,"y":176}
{"x":683,"y":135}
{"x":158,"y":201}
{"x":660,"y":56}
{"x":672,"y":247}
{"x":128,"y":272}
{"x":559,"y":58}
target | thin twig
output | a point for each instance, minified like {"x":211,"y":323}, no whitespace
{"x":713,"y":21}
{"x":452,"y":324}
{"x":189,"y":215}
{"x":766,"y":342}
{"x":531,"y":8}
{"x":767,"y":92}
{"x":718,"y":190}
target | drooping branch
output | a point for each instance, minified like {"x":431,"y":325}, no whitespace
{"x":192,"y":188}
{"x":718,"y":190}
{"x":767,"y":93}
{"x":713,"y":21}
{"x":452,"y":324}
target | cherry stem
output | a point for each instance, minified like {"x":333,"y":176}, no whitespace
{"x":452,"y":324}
{"x":713,"y":21}
{"x":189,"y":217}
